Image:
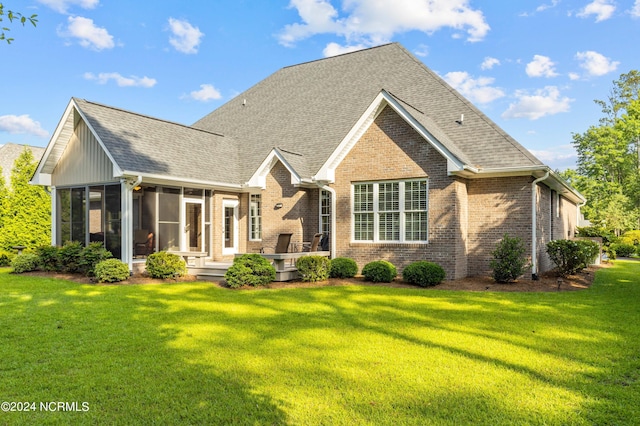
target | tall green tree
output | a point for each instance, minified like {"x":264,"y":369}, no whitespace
{"x":3,"y":198}
{"x":608,"y":172}
{"x":27,"y":211}
{"x":13,"y":16}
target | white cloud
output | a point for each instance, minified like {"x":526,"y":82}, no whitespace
{"x":88,"y":34}
{"x":132,"y":81}
{"x":186,"y":38}
{"x":206,"y":93}
{"x":603,"y":9}
{"x":370,"y":23}
{"x":558,"y":157}
{"x":423,"y":50}
{"x":543,"y":102}
{"x":62,"y":6}
{"x":476,"y":90}
{"x":596,"y":64}
{"x":15,"y":124}
{"x":545,"y":6}
{"x":334,"y":49}
{"x":489,"y":63}
{"x":635,"y":10}
{"x":541,"y":66}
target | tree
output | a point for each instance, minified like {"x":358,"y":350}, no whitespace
{"x":14,"y":16}
{"x":27,"y":211}
{"x":3,"y":198}
{"x":608,"y":172}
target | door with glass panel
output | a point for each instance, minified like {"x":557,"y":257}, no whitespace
{"x":193,"y":225}
{"x":230,"y":227}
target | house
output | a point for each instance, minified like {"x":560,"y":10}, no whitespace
{"x":371,"y":148}
{"x":9,"y":153}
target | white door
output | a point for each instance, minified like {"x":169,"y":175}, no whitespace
{"x":230,"y":227}
{"x":192,"y":225}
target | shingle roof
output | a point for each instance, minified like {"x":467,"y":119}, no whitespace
{"x":9,"y":152}
{"x":309,"y":108}
{"x":147,"y":145}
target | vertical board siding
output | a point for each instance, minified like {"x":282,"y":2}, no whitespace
{"x":84,"y":161}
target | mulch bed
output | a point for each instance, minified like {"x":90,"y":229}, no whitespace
{"x":548,"y":281}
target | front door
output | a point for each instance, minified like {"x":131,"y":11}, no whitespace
{"x":230,"y":227}
{"x":193,"y":225}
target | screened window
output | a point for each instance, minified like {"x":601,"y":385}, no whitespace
{"x":390,"y":211}
{"x":255,"y":219}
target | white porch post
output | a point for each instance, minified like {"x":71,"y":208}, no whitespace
{"x":125,"y":221}
{"x":54,"y":216}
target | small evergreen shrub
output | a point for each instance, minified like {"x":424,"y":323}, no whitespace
{"x":111,"y":271}
{"x":5,"y":259}
{"x":423,"y":273}
{"x":163,"y":264}
{"x":343,"y":267}
{"x":70,"y":255}
{"x":623,"y":249}
{"x":313,"y":268}
{"x":49,"y":258}
{"x":25,"y":262}
{"x":250,"y":269}
{"x":509,"y":260}
{"x":572,"y":256}
{"x":631,"y":237}
{"x":379,"y":271}
{"x":91,"y":255}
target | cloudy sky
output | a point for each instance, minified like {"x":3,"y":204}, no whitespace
{"x":534,"y":67}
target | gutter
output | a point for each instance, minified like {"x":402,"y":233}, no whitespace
{"x":534,"y":223}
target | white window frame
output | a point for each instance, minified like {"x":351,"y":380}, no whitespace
{"x":255,"y":217}
{"x":376,"y":212}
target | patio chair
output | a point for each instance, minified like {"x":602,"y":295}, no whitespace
{"x":282,"y":246}
{"x":315,"y":243}
{"x":142,"y":242}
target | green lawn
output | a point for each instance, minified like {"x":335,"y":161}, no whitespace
{"x":198,"y":354}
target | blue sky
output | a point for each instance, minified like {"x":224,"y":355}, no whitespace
{"x":534,"y":67}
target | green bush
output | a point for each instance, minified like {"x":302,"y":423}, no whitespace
{"x":70,"y":255}
{"x":91,"y":255}
{"x":623,"y":249}
{"x":49,"y":258}
{"x":509,"y":259}
{"x":313,"y":268}
{"x":25,"y":262}
{"x":379,"y":271}
{"x":423,"y":273}
{"x":111,"y":271}
{"x":572,"y":256}
{"x":343,"y":267}
{"x":165,"y":265}
{"x":5,"y":259}
{"x":250,"y":269}
{"x":595,"y":231}
{"x":631,"y":237}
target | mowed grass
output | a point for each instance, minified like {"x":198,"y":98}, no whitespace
{"x":198,"y":354}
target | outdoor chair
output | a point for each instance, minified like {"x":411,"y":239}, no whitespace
{"x":142,"y":242}
{"x":314,"y":245}
{"x":282,"y":245}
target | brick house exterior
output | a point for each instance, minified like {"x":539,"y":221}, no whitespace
{"x":371,"y":148}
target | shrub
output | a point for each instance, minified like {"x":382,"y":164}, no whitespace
{"x":343,"y":267}
{"x":379,"y":271}
{"x":313,"y":268}
{"x":623,"y":249}
{"x":595,"y":231}
{"x":631,"y":237}
{"x":250,"y":269}
{"x":5,"y":259}
{"x":571,"y":256}
{"x":91,"y":255}
{"x":165,"y":265}
{"x":49,"y":258}
{"x":423,"y":273}
{"x":70,"y":255}
{"x":111,"y":271}
{"x":509,"y":260}
{"x":25,"y":262}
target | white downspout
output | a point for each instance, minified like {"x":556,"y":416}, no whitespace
{"x":534,"y":225}
{"x":332,"y":238}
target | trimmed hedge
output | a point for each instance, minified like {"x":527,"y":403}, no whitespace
{"x":91,"y":255}
{"x":111,"y":271}
{"x":70,"y":255}
{"x":423,"y":273}
{"x":509,"y":259}
{"x":165,"y":265}
{"x":49,"y":258}
{"x":623,"y":249}
{"x":25,"y":262}
{"x":343,"y":267}
{"x":379,"y":271}
{"x":313,"y":268}
{"x":250,"y":269}
{"x":572,"y":256}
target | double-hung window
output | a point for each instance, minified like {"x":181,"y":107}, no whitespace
{"x":255,"y":217}
{"x":395,"y":211}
